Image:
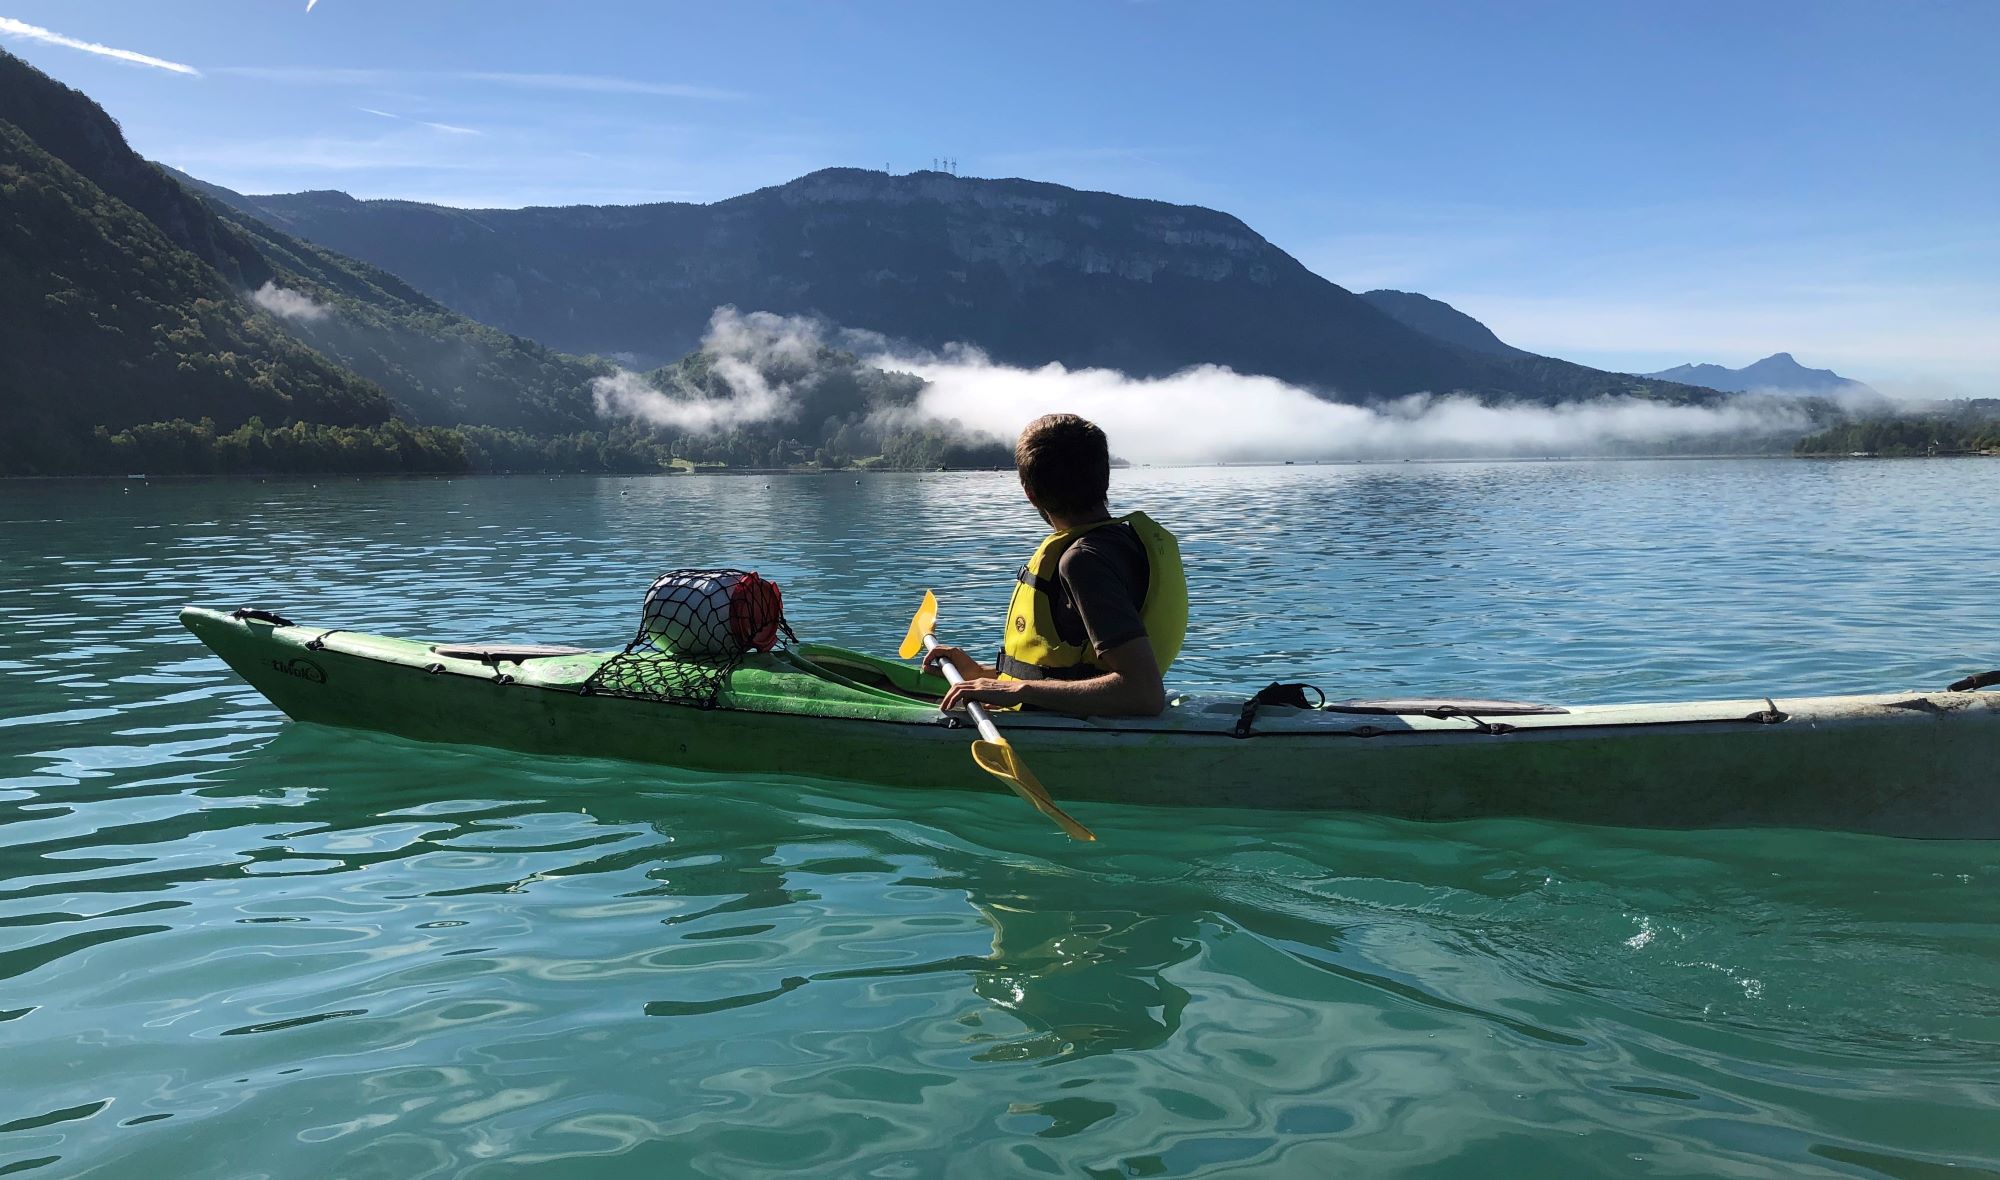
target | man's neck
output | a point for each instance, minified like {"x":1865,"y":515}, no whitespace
{"x":1064,"y":524}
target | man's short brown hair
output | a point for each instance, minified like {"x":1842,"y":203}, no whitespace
{"x":1065,"y":464}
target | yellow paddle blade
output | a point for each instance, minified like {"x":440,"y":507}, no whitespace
{"x":998,"y":760}
{"x":923,"y":624}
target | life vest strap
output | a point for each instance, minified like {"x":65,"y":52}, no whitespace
{"x":1007,"y":665}
{"x":1032,"y":580}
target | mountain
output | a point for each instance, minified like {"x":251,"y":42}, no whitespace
{"x":440,"y":367}
{"x":68,"y":126}
{"x":129,"y":299}
{"x":1777,"y":373}
{"x":1029,"y":272}
{"x":110,"y":318}
{"x":1436,"y":318}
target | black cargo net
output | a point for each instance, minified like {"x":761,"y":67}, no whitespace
{"x":694,"y":636}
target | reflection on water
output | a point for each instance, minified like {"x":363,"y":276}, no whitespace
{"x":229,"y":945}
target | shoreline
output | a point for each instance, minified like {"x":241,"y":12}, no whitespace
{"x":860,"y":472}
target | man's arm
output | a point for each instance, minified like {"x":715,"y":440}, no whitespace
{"x":1132,"y":688}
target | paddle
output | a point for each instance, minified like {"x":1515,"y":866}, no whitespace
{"x":991,"y":752}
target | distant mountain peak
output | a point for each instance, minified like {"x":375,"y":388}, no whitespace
{"x":1778,"y":373}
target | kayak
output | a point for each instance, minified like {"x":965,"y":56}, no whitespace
{"x":1921,"y":764}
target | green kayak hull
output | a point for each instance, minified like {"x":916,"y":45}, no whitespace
{"x":1924,"y":764}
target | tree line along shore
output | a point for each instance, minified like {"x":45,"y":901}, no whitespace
{"x":181,"y":447}
{"x":1964,"y":433}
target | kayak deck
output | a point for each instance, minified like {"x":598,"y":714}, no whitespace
{"x":1911,"y":763}
{"x":818,"y":680}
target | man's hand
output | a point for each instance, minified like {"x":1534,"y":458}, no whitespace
{"x":968,"y":667}
{"x":985,"y":690}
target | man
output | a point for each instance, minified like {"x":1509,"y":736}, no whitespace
{"x":1100,"y":610}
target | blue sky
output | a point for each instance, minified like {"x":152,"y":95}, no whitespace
{"x":1627,"y":185}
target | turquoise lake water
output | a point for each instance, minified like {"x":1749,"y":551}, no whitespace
{"x":231,"y":946}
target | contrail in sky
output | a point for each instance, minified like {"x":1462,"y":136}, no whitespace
{"x":14,"y":28}
{"x":453,"y":128}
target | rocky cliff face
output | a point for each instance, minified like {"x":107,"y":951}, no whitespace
{"x":1029,"y":272}
{"x":1025,"y":231}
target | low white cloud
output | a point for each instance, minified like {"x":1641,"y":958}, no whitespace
{"x":288,"y":304}
{"x":1211,"y":414}
{"x":743,"y":348}
{"x":761,"y":338}
{"x":626,"y":394}
{"x":14,"y":28}
{"x":1200,"y":415}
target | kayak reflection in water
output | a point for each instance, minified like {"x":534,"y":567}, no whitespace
{"x":1100,"y":610}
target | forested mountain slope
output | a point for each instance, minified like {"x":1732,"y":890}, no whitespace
{"x":127,"y":299}
{"x":106,"y":321}
{"x":1435,"y":317}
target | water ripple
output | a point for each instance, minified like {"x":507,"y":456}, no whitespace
{"x":229,"y":945}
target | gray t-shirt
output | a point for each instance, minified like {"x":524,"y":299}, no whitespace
{"x":1101,"y":585}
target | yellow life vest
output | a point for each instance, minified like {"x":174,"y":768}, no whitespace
{"x":1032,"y":650}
